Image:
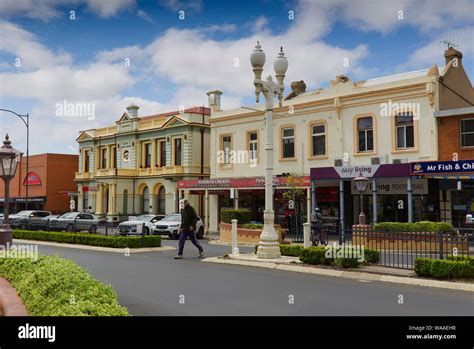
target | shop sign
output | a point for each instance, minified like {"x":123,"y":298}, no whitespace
{"x":255,"y":182}
{"x":395,"y":186}
{"x":437,"y":167}
{"x":32,"y":179}
{"x":355,"y":171}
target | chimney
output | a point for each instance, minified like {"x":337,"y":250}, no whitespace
{"x":451,"y":53}
{"x":297,"y":88}
{"x":132,"y":110}
{"x":214,"y":98}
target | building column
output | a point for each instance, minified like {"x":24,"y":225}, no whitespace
{"x":374,"y":199}
{"x":108,"y":163}
{"x":308,"y":205}
{"x":80,"y":198}
{"x":213,"y":212}
{"x":153,"y":153}
{"x":236,"y":199}
{"x":112,"y":204}
{"x":97,"y":158}
{"x":410,"y":199}
{"x":341,"y":209}
{"x":314,"y":203}
{"x":98,"y":199}
{"x":206,"y":211}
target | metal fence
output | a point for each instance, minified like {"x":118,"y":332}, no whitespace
{"x":400,"y":249}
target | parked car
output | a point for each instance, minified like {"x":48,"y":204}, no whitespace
{"x":75,"y":221}
{"x":130,"y":227}
{"x":24,"y":219}
{"x":43,"y":223}
{"x":170,"y":226}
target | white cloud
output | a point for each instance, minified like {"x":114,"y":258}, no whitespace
{"x":48,"y":9}
{"x":24,"y":45}
{"x":177,"y":5}
{"x":145,"y":16}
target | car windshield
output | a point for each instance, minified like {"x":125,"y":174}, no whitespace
{"x":144,"y":218}
{"x":172,"y":218}
{"x":68,"y":215}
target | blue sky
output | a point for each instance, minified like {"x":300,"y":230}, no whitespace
{"x":174,"y":62}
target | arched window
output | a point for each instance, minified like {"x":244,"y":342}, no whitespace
{"x":146,"y":200}
{"x":161,"y":201}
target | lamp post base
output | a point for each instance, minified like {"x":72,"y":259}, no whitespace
{"x":268,"y":247}
{"x":6,"y":236}
{"x":362,"y":218}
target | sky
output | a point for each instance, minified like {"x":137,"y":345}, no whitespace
{"x":164,"y":55}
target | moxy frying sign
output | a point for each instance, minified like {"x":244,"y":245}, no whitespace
{"x":437,"y":167}
{"x":255,"y":182}
{"x":32,"y":179}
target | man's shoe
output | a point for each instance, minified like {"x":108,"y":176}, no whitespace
{"x":201,"y":254}
{"x":178,"y":257}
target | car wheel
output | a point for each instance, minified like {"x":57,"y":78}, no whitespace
{"x":93,"y":229}
{"x":70,"y":228}
{"x":175,"y":235}
{"x":200,"y":233}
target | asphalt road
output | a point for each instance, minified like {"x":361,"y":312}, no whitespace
{"x":154,"y":283}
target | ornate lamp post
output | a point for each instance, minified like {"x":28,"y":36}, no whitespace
{"x":361,"y":183}
{"x":268,"y":246}
{"x":9,"y":159}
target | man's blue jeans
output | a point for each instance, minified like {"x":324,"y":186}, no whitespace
{"x":182,"y":239}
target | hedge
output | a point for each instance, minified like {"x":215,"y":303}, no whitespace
{"x":454,"y":267}
{"x":252,"y":226}
{"x":370,"y":255}
{"x":424,"y":226}
{"x":242,"y":216}
{"x":54,"y":286}
{"x":90,"y":239}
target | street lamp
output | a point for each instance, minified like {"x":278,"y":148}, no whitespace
{"x":268,"y":246}
{"x":9,"y":159}
{"x":361,"y":184}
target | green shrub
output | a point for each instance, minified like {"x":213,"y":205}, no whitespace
{"x":424,"y":226}
{"x":90,"y":239}
{"x":288,"y":250}
{"x":423,"y":266}
{"x":54,"y":286}
{"x":242,"y":215}
{"x":252,"y":226}
{"x":371,"y":256}
{"x":347,"y":262}
{"x":315,"y":255}
{"x":445,"y":268}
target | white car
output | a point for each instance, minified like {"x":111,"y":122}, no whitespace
{"x":170,"y":226}
{"x":130,"y":227}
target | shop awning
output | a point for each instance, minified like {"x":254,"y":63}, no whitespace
{"x":349,"y":172}
{"x":241,"y":183}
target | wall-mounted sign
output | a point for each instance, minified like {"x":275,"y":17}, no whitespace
{"x":32,"y":179}
{"x":395,"y":186}
{"x":355,"y":171}
{"x":253,"y":182}
{"x":436,"y":167}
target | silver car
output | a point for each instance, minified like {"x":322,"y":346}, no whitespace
{"x":147,"y":220}
{"x":24,"y":219}
{"x":75,"y":221}
{"x":171,"y":223}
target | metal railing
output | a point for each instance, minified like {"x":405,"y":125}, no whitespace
{"x":400,"y":249}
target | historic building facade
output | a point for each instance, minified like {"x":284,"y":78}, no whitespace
{"x":133,"y":167}
{"x":385,"y":121}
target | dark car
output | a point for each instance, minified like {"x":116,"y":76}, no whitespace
{"x":43,"y":223}
{"x":25,"y":219}
{"x":75,"y":221}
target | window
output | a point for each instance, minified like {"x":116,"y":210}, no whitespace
{"x":253,"y":145}
{"x":161,"y":201}
{"x":318,"y":140}
{"x":226,"y":148}
{"x":147,"y":155}
{"x":146,"y":200}
{"x":366,"y":134}
{"x":288,"y":143}
{"x":162,"y":151}
{"x":103,"y":157}
{"x":404,"y":130}
{"x":177,"y":151}
{"x":114,"y":157}
{"x":86,"y":160}
{"x":467,"y":133}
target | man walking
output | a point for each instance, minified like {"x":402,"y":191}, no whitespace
{"x":189,"y":219}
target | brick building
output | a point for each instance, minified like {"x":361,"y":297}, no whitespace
{"x":50,"y":178}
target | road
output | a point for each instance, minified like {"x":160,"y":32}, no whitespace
{"x":154,"y":283}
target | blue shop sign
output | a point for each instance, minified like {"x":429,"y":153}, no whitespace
{"x":434,"y":167}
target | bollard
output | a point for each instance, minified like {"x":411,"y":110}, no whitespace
{"x":307,"y":235}
{"x":235,"y":249}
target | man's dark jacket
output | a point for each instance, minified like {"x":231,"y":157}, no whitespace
{"x":189,"y":218}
